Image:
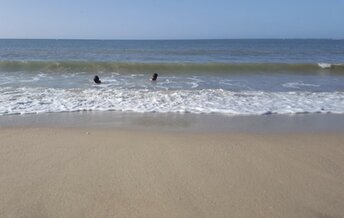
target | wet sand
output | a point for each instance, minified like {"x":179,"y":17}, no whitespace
{"x":111,"y":172}
{"x":175,"y":122}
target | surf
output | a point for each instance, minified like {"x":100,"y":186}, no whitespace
{"x":180,"y":67}
{"x":51,"y":100}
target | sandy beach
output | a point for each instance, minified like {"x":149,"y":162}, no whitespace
{"x":80,"y":172}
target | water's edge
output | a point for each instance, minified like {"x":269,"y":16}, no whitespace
{"x":301,"y":123}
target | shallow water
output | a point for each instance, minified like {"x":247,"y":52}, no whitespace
{"x":195,"y":76}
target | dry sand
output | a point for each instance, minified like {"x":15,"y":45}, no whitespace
{"x":47,"y":172}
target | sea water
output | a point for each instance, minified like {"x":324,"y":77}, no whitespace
{"x":195,"y":76}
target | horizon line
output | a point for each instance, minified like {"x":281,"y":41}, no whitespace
{"x":179,"y":39}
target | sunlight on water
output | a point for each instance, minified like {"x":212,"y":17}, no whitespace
{"x":201,"y":76}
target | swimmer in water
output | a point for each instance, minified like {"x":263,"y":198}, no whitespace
{"x":154,"y":77}
{"x":96,"y":79}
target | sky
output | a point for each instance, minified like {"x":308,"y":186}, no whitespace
{"x":171,"y":19}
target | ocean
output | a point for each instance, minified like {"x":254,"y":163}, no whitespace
{"x":230,"y":77}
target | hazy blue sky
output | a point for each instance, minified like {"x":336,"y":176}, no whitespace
{"x":171,"y":19}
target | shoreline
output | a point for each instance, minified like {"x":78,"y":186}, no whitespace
{"x":176,"y":122}
{"x":110,"y":164}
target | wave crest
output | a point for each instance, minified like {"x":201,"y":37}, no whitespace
{"x":131,"y":67}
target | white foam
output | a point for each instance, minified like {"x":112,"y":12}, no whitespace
{"x":325,"y":65}
{"x":298,"y":85}
{"x":40,"y":100}
{"x":235,"y":84}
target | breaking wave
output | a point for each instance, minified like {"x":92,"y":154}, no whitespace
{"x":44,"y":100}
{"x":131,"y":67}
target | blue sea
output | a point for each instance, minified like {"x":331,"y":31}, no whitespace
{"x":231,"y":77}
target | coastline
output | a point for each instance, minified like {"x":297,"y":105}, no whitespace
{"x":171,"y":165}
{"x":186,"y":154}
{"x":179,"y":122}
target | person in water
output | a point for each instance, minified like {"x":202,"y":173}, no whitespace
{"x":154,"y":77}
{"x":96,"y":79}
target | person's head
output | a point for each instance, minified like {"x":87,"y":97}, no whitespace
{"x":96,"y":79}
{"x":154,"y":77}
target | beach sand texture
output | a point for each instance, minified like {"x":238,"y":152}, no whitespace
{"x":47,"y":172}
